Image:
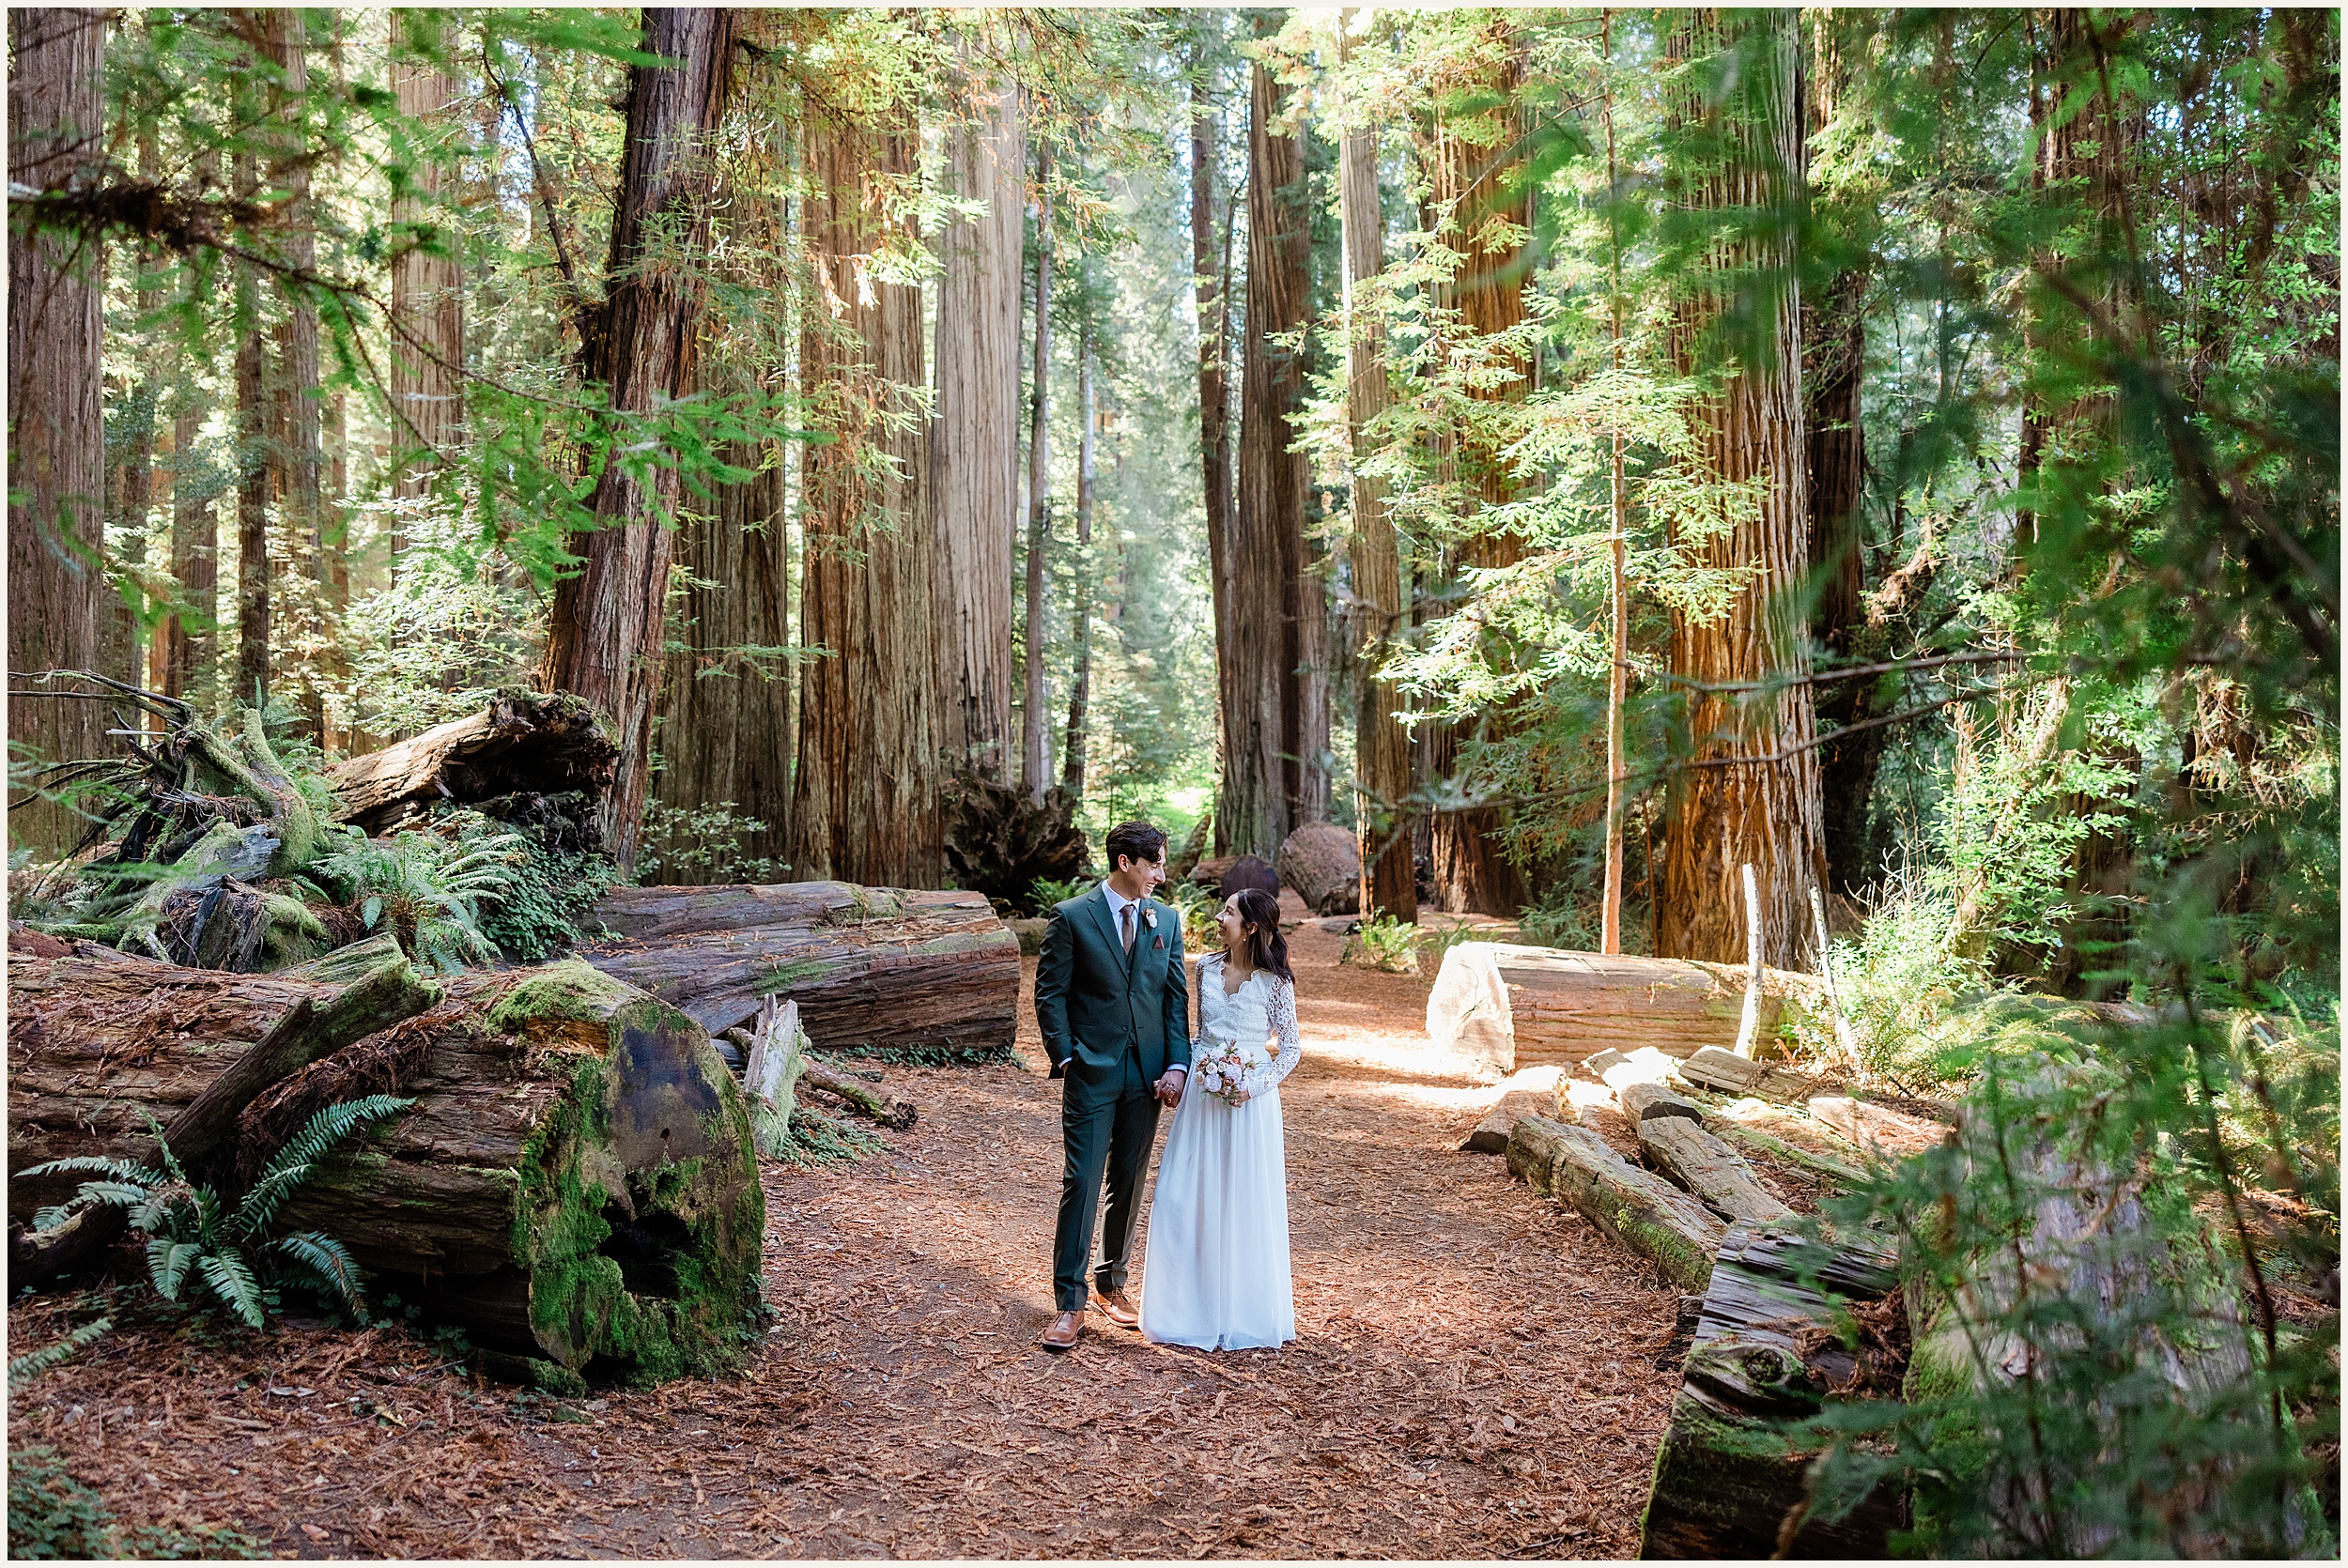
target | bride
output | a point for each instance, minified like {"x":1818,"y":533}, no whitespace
{"x":1217,"y":1274}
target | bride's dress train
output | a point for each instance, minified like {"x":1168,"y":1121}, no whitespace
{"x":1216,"y":1271}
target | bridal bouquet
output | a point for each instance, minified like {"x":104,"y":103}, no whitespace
{"x":1222,"y":1068}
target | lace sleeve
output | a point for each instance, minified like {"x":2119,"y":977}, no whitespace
{"x":1283,"y":1010}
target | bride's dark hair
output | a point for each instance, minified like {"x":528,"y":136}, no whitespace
{"x":1266,"y":947}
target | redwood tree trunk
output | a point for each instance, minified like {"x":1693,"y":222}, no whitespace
{"x":1263,"y":716}
{"x":188,"y":651}
{"x":1211,"y":268}
{"x":1381,"y":748}
{"x":725,"y":715}
{"x":974,"y":445}
{"x":298,"y":337}
{"x":865,"y":801}
{"x":1472,"y":161}
{"x":427,"y":284}
{"x":1034,"y":746}
{"x":57,"y":431}
{"x":256,"y":441}
{"x":604,"y":640}
{"x":1729,"y":810}
{"x":1834,"y":348}
{"x":1080,"y":679}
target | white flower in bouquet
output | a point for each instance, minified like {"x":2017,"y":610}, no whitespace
{"x":1223,"y":1068}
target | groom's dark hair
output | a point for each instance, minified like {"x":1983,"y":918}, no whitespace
{"x":1135,"y":841}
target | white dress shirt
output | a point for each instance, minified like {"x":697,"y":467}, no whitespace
{"x":1118,"y":905}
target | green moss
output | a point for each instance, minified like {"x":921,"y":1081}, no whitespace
{"x":695,"y":1223}
{"x":570,"y":991}
{"x":783,"y":977}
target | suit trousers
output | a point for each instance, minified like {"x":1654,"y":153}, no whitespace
{"x":1111,"y":1133}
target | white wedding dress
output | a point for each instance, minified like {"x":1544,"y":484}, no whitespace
{"x":1216,"y":1271}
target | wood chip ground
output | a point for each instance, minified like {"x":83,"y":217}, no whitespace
{"x":1476,"y":1374}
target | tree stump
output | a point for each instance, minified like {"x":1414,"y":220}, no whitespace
{"x":908,"y":970}
{"x":1323,"y":864}
{"x":1501,"y":1006}
{"x":524,"y":743}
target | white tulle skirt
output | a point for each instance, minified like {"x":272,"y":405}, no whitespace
{"x":1215,"y":1274}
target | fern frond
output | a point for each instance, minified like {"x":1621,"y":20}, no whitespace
{"x":123,"y":1195}
{"x":92,"y":1164}
{"x":23,"y":1369}
{"x":168,"y":1264}
{"x":231,"y":1279}
{"x":329,"y":1127}
{"x":327,"y":1258}
{"x":51,"y":1216}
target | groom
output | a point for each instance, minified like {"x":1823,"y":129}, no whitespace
{"x":1113,"y":1005}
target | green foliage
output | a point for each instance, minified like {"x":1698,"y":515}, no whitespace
{"x":195,"y":1239}
{"x":702,"y":843}
{"x":1198,"y":913}
{"x":815,"y":1138}
{"x":53,"y":1515}
{"x":1385,"y":942}
{"x":23,"y":1369}
{"x":1049,"y":892}
{"x":541,"y":910}
{"x":426,"y":889}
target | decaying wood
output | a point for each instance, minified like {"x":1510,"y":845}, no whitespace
{"x":1000,"y":842}
{"x":893,"y":1114}
{"x":1725,"y":1072}
{"x":522,"y":743}
{"x":574,"y":1186}
{"x":1502,"y":1006}
{"x":1637,"y":1207}
{"x":1709,"y":1169}
{"x":1728,"y":1482}
{"x":1644,"y":1101}
{"x":1491,"y":1134}
{"x":314,"y":1027}
{"x":1834,"y":1170}
{"x":868,"y":966}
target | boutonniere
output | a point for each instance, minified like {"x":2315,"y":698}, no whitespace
{"x":1150,"y":917}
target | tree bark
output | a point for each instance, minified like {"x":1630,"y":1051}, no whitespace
{"x":1638,"y":1209}
{"x":1730,"y":810}
{"x":1080,"y":679}
{"x":520,"y":744}
{"x":1711,"y":1171}
{"x":1211,"y":270}
{"x":138,"y":462}
{"x":1728,"y":1482}
{"x":303,"y":506}
{"x":57,"y":432}
{"x":1834,"y":348}
{"x":725,"y":713}
{"x":1471,"y":160}
{"x":427,"y":347}
{"x":1505,"y":1006}
{"x":604,"y":638}
{"x":865,"y":802}
{"x":974,"y":451}
{"x":1381,"y":748}
{"x":933,"y":972}
{"x":1034,"y":745}
{"x":1263,"y":720}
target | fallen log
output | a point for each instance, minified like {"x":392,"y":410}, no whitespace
{"x":1500,"y":1006}
{"x":1709,"y":1169}
{"x":574,"y":1188}
{"x":1490,"y":1135}
{"x":1729,"y":1482}
{"x":895,"y":1114}
{"x":926,"y":974}
{"x":1876,"y":1128}
{"x":1725,"y":1072}
{"x":522,"y":744}
{"x":1834,"y":1170}
{"x":313,"y":1027}
{"x":1638,"y":1209}
{"x":1644,"y":1101}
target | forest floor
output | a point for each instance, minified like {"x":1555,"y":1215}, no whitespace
{"x":1477,"y":1373}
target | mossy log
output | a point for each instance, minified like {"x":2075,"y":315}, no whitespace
{"x":1502,"y":1006}
{"x":901,"y":969}
{"x":1715,"y":1174}
{"x":1728,"y":1481}
{"x":576,"y":1185}
{"x":1637,"y":1207}
{"x":1725,"y":1072}
{"x":522,"y":743}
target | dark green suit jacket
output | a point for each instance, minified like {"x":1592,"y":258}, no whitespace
{"x":1095,"y":1003}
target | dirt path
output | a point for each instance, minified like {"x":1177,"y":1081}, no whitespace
{"x":1475,"y":1378}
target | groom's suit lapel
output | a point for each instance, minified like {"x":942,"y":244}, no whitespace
{"x":1108,"y":933}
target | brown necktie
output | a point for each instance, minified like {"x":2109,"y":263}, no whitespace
{"x":1125,"y":921}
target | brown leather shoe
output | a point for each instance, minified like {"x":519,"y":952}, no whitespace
{"x":1112,"y":1305}
{"x":1062,"y":1334}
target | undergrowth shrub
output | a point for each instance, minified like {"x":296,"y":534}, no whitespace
{"x":425,"y":889}
{"x":54,"y":1515}
{"x":703,"y":844}
{"x":1385,"y":942}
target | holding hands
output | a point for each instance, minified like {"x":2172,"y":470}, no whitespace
{"x":1170,"y":1088}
